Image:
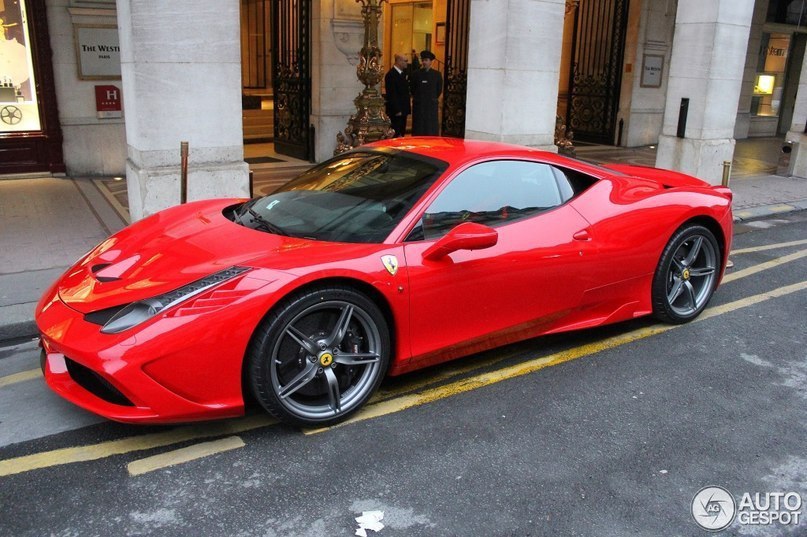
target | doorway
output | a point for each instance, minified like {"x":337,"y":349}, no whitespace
{"x":276,"y":75}
{"x":598,"y":46}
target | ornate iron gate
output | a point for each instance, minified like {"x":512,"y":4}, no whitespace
{"x":596,"y":72}
{"x":456,"y":66}
{"x":291,"y":80}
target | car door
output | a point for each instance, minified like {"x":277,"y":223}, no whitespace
{"x":535,"y":274}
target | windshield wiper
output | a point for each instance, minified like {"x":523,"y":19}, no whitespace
{"x":265,"y":224}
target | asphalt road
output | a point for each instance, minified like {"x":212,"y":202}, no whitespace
{"x":607,"y":432}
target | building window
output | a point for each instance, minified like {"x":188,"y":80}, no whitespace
{"x":18,"y":105}
{"x":787,"y":12}
{"x":411,"y":31}
{"x":770,"y":77}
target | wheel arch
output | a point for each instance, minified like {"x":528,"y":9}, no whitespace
{"x":717,"y":230}
{"x":340,"y":281}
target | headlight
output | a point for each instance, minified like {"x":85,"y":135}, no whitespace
{"x":143,"y":310}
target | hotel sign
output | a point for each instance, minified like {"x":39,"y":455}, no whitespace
{"x":98,"y":52}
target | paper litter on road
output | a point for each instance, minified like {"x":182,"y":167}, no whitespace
{"x":369,"y":520}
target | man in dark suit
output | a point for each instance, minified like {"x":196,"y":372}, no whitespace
{"x":427,"y":85}
{"x":397,"y":95}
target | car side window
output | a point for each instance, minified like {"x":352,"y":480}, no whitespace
{"x":493,"y":193}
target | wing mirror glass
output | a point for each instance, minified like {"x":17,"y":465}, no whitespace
{"x":466,"y":236}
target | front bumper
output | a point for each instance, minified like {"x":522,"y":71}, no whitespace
{"x":174,"y":369}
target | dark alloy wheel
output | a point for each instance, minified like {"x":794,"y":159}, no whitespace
{"x":319,"y":356}
{"x":686,"y":275}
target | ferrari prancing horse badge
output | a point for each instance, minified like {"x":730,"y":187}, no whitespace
{"x":390,"y":263}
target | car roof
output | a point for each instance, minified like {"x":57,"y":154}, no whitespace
{"x":457,"y":150}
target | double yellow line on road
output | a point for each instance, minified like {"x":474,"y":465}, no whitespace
{"x":22,"y":376}
{"x":387,"y":403}
{"x":487,"y":379}
{"x":102,"y":450}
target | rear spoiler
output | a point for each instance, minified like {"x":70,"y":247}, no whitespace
{"x":726,"y":191}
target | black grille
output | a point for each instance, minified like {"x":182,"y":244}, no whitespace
{"x":95,"y":383}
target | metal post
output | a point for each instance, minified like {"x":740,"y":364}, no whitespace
{"x":726,"y":172}
{"x":183,"y":175}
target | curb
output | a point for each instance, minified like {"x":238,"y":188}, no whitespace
{"x":18,"y":322}
{"x":752,"y":213}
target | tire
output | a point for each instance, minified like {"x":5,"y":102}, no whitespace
{"x":686,"y":275}
{"x":319,"y":356}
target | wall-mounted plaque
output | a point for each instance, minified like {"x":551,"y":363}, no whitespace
{"x":346,"y":9}
{"x":98,"y":52}
{"x":652,"y":69}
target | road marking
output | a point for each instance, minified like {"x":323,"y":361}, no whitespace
{"x":187,"y":454}
{"x":446,"y":372}
{"x":93,"y":452}
{"x":779,"y":292}
{"x":768,"y":247}
{"x":22,"y":376}
{"x":486,"y":379}
{"x":764,"y":266}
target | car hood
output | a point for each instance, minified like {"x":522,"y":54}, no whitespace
{"x":173,"y":248}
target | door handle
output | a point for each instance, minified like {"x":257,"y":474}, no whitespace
{"x":582,"y":235}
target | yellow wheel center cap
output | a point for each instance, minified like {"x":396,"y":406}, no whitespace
{"x":326,"y":359}
{"x":685,"y":275}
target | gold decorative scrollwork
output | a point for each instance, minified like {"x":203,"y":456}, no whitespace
{"x":370,"y":122}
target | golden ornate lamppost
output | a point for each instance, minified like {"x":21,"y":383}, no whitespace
{"x":370,"y":122}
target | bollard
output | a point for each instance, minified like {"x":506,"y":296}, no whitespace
{"x":725,"y":182}
{"x":183,"y":174}
{"x":726,"y":172}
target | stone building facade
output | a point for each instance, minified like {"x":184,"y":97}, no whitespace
{"x":733,"y":67}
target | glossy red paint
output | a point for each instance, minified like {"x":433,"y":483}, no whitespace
{"x":585,"y":263}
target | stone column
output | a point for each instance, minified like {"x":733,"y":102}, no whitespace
{"x":337,"y":37}
{"x":799,"y":125}
{"x":708,"y":59}
{"x":513,"y":71}
{"x":181,"y":71}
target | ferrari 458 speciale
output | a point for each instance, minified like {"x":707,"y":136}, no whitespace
{"x":389,"y":258}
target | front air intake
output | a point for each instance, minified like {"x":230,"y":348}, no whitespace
{"x":95,"y":383}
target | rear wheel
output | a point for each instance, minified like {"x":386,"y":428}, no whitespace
{"x":319,"y":356}
{"x":686,"y":275}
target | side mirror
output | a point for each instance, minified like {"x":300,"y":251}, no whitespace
{"x":466,"y":236}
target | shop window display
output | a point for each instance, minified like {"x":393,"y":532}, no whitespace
{"x":770,"y":76}
{"x":18,"y":106}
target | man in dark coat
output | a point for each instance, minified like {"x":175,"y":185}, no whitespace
{"x":427,"y":85}
{"x":397,"y":95}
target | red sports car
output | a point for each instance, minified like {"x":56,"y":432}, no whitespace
{"x":395,"y":256}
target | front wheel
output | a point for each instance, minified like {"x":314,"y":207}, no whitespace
{"x":319,"y":356}
{"x":686,"y":275}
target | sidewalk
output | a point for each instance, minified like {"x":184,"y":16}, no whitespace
{"x":47,"y":223}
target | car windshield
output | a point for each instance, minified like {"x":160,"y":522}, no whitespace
{"x":356,"y":197}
